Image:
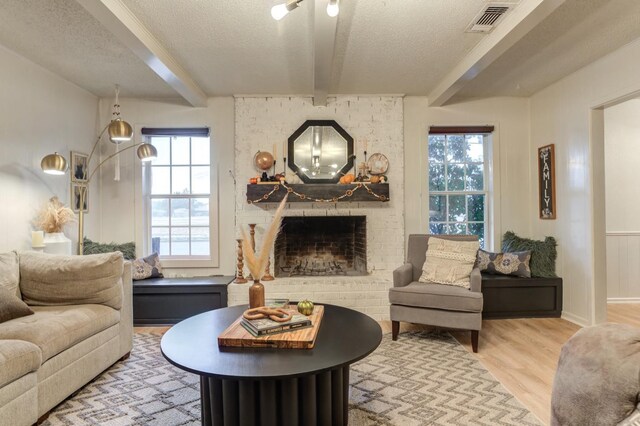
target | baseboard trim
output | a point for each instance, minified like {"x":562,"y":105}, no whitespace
{"x":583,"y":322}
{"x":623,"y":300}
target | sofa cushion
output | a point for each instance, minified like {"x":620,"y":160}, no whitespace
{"x":10,"y":272}
{"x":436,"y":296}
{"x":48,"y":280}
{"x":56,"y":328}
{"x":11,"y":306}
{"x":17,"y":358}
{"x":449,"y":262}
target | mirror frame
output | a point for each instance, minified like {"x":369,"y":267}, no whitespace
{"x":324,"y":123}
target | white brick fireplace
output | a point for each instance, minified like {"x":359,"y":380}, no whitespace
{"x":261,"y":123}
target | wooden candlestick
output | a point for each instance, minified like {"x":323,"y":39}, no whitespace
{"x":252,"y":232}
{"x":267,"y":274}
{"x":240,"y":279}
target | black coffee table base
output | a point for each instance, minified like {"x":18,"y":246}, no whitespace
{"x":321,"y":399}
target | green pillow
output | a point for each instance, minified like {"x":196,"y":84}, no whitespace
{"x":128,"y":250}
{"x":543,"y":253}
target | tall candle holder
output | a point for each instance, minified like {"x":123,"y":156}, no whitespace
{"x":240,"y":279}
{"x":252,"y":233}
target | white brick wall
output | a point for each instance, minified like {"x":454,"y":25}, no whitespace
{"x":263,"y":122}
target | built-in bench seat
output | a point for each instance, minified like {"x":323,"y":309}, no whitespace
{"x":516,"y":297}
{"x":165,"y":301}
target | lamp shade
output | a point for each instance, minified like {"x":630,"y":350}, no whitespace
{"x":120,"y":131}
{"x":147,"y":152}
{"x":54,"y":164}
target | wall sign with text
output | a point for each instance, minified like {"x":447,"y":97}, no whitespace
{"x":547,"y":182}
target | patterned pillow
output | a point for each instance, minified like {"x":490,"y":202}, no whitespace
{"x":449,"y":262}
{"x":515,"y":263}
{"x":147,"y":267}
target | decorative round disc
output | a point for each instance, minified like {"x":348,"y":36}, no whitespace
{"x":378,"y":164}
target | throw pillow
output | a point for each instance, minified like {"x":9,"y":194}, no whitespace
{"x":449,"y":262}
{"x":128,"y":250}
{"x":543,"y":253}
{"x":10,"y":272}
{"x":147,"y":267}
{"x":516,"y":263}
{"x":11,"y":307}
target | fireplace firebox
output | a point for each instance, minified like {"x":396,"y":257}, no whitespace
{"x":321,"y":246}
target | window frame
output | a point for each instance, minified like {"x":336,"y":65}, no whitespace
{"x":182,"y":261}
{"x":490,"y":180}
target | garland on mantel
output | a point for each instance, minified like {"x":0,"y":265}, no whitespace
{"x":290,"y":190}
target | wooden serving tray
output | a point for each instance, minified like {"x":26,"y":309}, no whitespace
{"x":236,"y":336}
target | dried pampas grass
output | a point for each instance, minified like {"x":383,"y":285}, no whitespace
{"x":258,"y":263}
{"x":53,"y":216}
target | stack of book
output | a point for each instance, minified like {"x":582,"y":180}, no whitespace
{"x":266,"y":326}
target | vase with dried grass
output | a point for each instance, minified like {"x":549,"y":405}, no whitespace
{"x":257,"y":263}
{"x":52,"y":218}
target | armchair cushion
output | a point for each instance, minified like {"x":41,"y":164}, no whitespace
{"x":436,"y":296}
{"x":449,"y":262}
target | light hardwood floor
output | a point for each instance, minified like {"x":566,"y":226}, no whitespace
{"x":521,"y":353}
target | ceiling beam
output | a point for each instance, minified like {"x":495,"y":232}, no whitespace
{"x":120,"y":21}
{"x":324,"y":41}
{"x":527,"y":15}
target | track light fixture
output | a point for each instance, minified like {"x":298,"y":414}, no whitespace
{"x":333,"y":8}
{"x":279,"y":11}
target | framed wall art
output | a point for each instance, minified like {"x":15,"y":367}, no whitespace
{"x":547,"y":182}
{"x":79,"y":167}
{"x":76,"y":191}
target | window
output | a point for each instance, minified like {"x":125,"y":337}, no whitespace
{"x":179,"y":194}
{"x":458,"y":181}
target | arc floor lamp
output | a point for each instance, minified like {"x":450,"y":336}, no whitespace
{"x":119,"y":132}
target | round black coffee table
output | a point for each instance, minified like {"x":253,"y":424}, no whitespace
{"x":268,"y":386}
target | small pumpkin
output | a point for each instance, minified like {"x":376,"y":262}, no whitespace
{"x":348,"y":178}
{"x":305,"y":307}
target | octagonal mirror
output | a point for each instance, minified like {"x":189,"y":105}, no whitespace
{"x":320,"y":151}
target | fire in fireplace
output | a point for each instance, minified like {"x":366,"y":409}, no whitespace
{"x":321,"y":246}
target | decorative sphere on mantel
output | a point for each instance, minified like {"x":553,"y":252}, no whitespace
{"x":263,"y":160}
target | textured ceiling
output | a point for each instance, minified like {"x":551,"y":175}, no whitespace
{"x":576,"y":34}
{"x":62,"y":37}
{"x":382,"y":46}
{"x":400,"y":46}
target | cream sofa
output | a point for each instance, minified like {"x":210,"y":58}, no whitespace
{"x":82,"y":324}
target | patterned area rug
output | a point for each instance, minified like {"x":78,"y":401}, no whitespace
{"x":422,"y":379}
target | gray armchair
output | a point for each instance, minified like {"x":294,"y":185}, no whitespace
{"x":434,"y":304}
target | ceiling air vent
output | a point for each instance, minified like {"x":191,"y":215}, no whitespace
{"x":490,"y":15}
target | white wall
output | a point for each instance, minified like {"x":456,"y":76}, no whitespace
{"x":622,"y":156}
{"x":566,"y":114}
{"x":122,"y":210}
{"x":510,"y":116}
{"x":39,"y":113}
